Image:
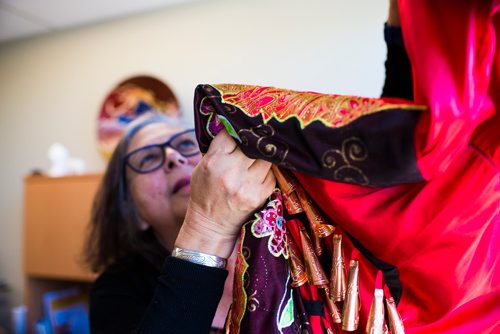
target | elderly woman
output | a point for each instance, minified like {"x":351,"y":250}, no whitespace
{"x":164,"y":223}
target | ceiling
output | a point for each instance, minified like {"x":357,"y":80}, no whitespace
{"x":24,"y":18}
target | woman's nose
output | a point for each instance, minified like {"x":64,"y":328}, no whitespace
{"x":173,"y":159}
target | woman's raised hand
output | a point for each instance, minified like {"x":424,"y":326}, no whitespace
{"x":393,"y":15}
{"x":226,"y":187}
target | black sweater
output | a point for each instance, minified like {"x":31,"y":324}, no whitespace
{"x":398,"y":75}
{"x":134,"y":297}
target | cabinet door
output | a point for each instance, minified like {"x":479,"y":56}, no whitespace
{"x":56,"y":215}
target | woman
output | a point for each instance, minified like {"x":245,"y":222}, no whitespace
{"x":160,"y":196}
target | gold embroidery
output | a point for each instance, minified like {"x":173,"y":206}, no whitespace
{"x":352,"y":149}
{"x":307,"y":107}
{"x":262,"y":136}
{"x":253,"y":303}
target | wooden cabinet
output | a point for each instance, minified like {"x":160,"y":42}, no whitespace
{"x":56,"y":217}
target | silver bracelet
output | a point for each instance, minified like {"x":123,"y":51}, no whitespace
{"x":199,"y":258}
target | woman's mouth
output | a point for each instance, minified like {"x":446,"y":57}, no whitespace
{"x":183,"y":185}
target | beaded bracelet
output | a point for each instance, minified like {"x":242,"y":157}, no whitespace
{"x":199,"y":258}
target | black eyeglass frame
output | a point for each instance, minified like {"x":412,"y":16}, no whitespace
{"x":162,"y":146}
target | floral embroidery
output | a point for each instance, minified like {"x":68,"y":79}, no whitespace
{"x":218,"y":122}
{"x":332,"y":110}
{"x":270,"y":222}
{"x":287,"y":316}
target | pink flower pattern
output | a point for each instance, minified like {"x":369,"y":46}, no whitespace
{"x":270,"y":222}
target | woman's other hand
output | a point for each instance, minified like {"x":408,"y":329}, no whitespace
{"x":393,"y":15}
{"x":226,"y":187}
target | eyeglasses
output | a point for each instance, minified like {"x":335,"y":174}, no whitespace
{"x":151,"y":157}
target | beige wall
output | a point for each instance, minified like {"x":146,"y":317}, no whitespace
{"x":51,"y":86}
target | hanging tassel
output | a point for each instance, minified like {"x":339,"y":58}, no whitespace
{"x":319,"y":227}
{"x":350,"y":312}
{"x":332,"y":308}
{"x":286,"y":181}
{"x":287,"y":184}
{"x":375,"y":324}
{"x":296,"y":200}
{"x":313,"y":223}
{"x":315,"y":272}
{"x":376,"y":319}
{"x":395,"y":321}
{"x":322,"y":228}
{"x":297,"y":268}
{"x":292,"y":203}
{"x":338,"y":283}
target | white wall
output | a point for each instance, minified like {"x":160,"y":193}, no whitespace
{"x":51,"y":86}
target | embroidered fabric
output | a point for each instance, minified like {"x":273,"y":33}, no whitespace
{"x":413,"y":191}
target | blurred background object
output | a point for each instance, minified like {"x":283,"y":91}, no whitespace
{"x":19,"y":319}
{"x":128,"y":100}
{"x":4,"y":308}
{"x":61,"y":162}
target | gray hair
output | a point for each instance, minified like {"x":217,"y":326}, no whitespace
{"x":146,"y":119}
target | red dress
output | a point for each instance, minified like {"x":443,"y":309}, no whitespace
{"x":417,"y":188}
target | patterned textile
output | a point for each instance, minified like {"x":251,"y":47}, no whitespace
{"x":262,"y":287}
{"x":266,"y":299}
{"x":342,"y":143}
{"x":381,"y":202}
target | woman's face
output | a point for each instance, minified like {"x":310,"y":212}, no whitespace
{"x":161,"y":196}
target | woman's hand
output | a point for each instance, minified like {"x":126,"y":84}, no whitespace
{"x":393,"y":16}
{"x":226,"y":187}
